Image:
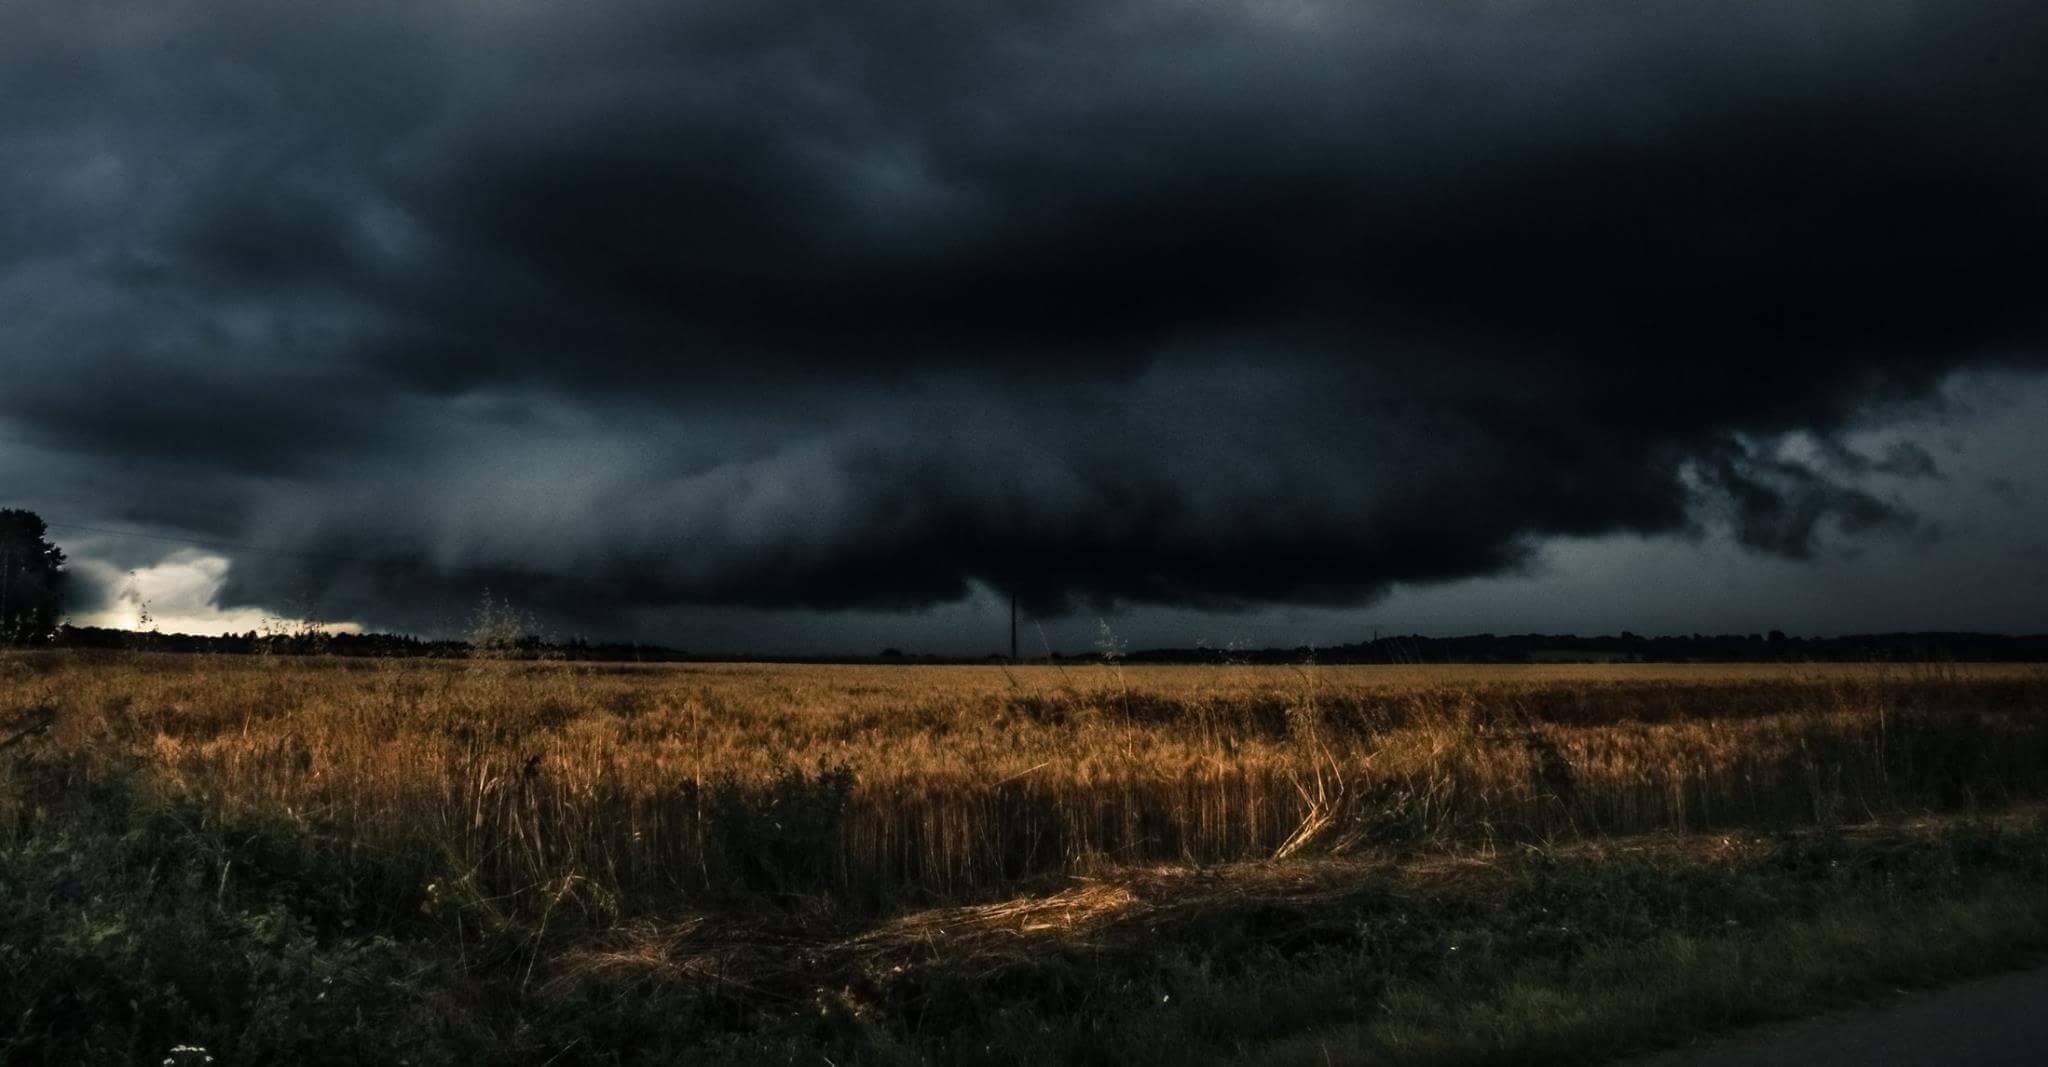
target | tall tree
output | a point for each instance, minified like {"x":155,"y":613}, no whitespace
{"x":31,"y":579}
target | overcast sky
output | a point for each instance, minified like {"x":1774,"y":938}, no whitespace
{"x":820,"y":326}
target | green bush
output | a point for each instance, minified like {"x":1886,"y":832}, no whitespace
{"x":251,"y":944}
{"x":781,"y":838}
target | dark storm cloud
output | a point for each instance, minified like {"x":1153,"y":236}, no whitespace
{"x":795,"y":304}
{"x":1779,"y":505}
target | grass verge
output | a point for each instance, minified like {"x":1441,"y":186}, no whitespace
{"x":1628,"y":998}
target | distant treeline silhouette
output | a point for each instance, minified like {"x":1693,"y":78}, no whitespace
{"x":1774,"y":647}
{"x":353,"y":644}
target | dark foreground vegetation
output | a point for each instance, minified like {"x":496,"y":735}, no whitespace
{"x":262,"y":864}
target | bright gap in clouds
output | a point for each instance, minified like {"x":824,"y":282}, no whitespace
{"x":179,"y":593}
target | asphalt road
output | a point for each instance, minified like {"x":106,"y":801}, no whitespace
{"x":1993,"y":1022}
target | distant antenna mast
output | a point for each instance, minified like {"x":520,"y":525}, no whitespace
{"x":1013,"y":626}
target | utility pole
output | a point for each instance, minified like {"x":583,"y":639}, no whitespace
{"x":1013,"y":626}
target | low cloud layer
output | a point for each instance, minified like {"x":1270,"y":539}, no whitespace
{"x":619,"y":307}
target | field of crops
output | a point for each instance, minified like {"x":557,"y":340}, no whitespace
{"x":647,"y":786}
{"x":577,"y":803}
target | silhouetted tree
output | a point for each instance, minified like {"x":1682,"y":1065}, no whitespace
{"x":31,"y":579}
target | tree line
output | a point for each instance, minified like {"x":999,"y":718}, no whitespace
{"x":31,"y":579}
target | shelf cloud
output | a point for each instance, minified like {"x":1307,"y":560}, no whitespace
{"x":781,"y":305}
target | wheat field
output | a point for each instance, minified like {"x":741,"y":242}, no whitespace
{"x":630,"y":789}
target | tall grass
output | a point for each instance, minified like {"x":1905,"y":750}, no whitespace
{"x":616,"y":789}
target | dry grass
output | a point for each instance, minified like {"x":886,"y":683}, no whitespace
{"x":624,"y":790}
